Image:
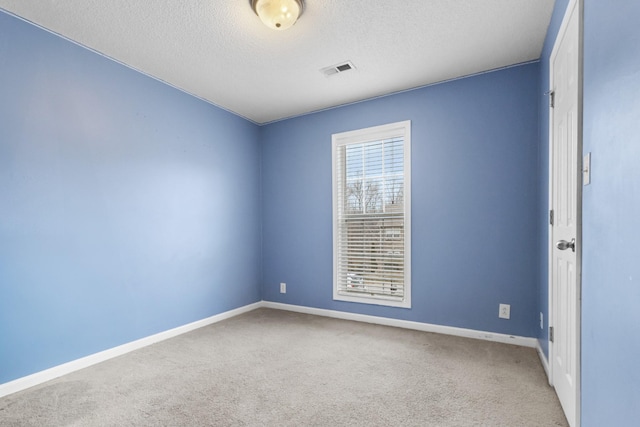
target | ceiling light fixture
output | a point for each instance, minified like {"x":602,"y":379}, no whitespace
{"x":278,"y":14}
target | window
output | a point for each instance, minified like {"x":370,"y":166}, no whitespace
{"x":371,"y":215}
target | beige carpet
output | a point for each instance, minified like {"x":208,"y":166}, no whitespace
{"x":275,"y":368}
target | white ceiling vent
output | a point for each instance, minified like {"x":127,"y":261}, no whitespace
{"x":337,"y":69}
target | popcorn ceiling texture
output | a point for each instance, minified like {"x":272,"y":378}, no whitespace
{"x":220,"y":51}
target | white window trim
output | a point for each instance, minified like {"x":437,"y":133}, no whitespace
{"x":376,"y":133}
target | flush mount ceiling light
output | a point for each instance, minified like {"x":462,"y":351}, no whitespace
{"x":278,"y":14}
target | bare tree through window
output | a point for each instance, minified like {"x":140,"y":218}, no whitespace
{"x":371,"y":208}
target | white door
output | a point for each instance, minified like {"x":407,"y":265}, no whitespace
{"x":564,"y":294}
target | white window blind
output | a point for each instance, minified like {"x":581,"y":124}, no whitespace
{"x":371,"y":215}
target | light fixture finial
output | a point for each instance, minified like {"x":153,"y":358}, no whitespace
{"x":278,"y":14}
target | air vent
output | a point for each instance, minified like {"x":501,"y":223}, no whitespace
{"x":337,"y":69}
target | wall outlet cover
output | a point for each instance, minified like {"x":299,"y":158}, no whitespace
{"x":283,"y":288}
{"x":504,"y":311}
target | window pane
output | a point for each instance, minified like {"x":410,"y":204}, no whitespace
{"x":369,"y":224}
{"x":354,"y":161}
{"x":394,"y":155}
{"x":355,"y":196}
{"x":373,"y":195}
{"x":393,"y":193}
{"x":373,"y":159}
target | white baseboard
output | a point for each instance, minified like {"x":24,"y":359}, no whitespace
{"x":544,"y":361}
{"x":407,"y":324}
{"x":75,"y":365}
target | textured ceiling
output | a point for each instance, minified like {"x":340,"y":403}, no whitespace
{"x":220,"y":51}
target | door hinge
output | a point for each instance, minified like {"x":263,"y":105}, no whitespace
{"x":552,"y":99}
{"x":551,"y":217}
{"x":551,"y":333}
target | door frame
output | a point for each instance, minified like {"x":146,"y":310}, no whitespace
{"x":578,"y":5}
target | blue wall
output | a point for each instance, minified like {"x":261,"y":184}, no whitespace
{"x":543,"y":171}
{"x":126,"y":206}
{"x":611,"y":222}
{"x":474,"y":196}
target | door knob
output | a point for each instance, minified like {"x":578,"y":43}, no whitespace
{"x":563,"y":245}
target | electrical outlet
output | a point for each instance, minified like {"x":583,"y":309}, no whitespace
{"x":504,"y":311}
{"x":541,"y":320}
{"x":283,"y":288}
